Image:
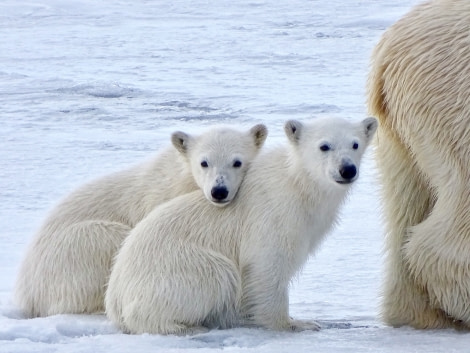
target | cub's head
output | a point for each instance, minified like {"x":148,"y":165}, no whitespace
{"x":330,"y":149}
{"x":220,"y":157}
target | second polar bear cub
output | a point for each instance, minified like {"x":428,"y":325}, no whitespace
{"x":67,"y":266}
{"x":188,"y":266}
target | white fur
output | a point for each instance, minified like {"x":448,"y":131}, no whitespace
{"x":66,"y":267}
{"x":187,"y":266}
{"x":419,"y":88}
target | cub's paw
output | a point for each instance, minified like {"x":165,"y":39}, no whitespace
{"x":304,"y":325}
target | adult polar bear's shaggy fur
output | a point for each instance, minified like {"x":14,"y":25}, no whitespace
{"x":67,"y":266}
{"x":419,"y":87}
{"x":188,"y":266}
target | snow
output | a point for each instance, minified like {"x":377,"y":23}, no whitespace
{"x":91,"y":86}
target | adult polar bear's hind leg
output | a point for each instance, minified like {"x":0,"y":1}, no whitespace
{"x":419,"y":88}
{"x":189,"y":265}
{"x":403,"y":301}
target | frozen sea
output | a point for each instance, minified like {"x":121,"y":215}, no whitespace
{"x":90,"y":86}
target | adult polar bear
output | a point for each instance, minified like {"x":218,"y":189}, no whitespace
{"x":67,"y":266}
{"x":419,"y":88}
{"x":187,"y":266}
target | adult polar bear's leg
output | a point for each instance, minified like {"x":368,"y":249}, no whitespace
{"x":407,"y":201}
{"x":437,"y":251}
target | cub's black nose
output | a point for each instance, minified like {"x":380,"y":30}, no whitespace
{"x":348,"y":171}
{"x":219,"y":193}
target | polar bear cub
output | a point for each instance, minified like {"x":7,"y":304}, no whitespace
{"x":67,"y":266}
{"x":187,"y":266}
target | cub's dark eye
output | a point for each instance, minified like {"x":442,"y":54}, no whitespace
{"x":355,"y":146}
{"x":204,"y":164}
{"x":324,"y":148}
{"x":237,"y":164}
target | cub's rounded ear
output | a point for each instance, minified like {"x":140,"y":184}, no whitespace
{"x":181,"y":141}
{"x":293,"y":130}
{"x":259,"y":133}
{"x":370,"y":125}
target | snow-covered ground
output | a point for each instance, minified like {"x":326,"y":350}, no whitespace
{"x":91,"y":86}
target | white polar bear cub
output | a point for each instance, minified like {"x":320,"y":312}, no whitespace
{"x":67,"y":266}
{"x":187,"y":266}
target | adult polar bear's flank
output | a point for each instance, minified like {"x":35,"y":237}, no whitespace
{"x":67,"y":266}
{"x":419,"y":88}
{"x":188,"y":266}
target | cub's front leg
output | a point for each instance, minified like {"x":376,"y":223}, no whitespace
{"x":265,"y":299}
